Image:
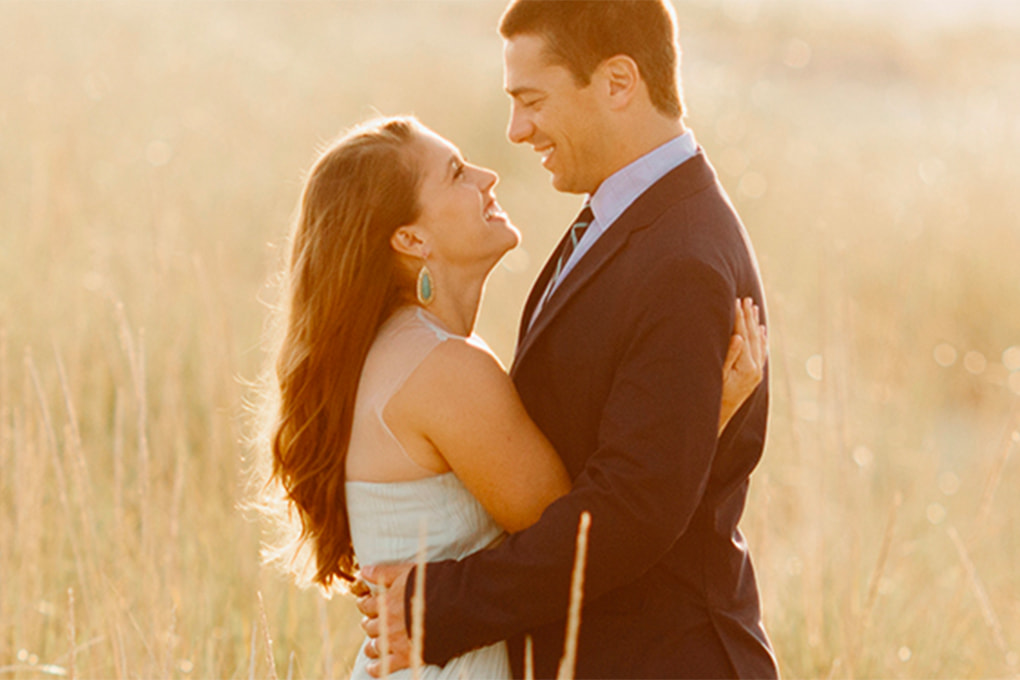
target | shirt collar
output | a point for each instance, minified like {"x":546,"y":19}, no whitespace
{"x":624,"y":186}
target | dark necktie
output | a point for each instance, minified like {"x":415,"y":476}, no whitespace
{"x":577,"y":230}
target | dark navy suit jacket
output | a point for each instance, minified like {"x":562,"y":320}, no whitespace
{"x":622,"y":372}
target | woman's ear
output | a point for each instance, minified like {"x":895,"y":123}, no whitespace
{"x":408,"y":240}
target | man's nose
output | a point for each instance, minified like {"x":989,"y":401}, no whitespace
{"x":519,"y":127}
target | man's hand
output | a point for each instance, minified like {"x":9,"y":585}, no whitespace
{"x":398,"y":641}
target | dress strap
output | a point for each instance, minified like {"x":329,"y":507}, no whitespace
{"x":432,"y":324}
{"x":413,"y":339}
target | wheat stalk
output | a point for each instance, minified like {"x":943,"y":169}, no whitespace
{"x":144,"y":475}
{"x":58,"y":467}
{"x":269,"y":639}
{"x":290,"y":665}
{"x":995,"y":477}
{"x":984,"y":603}
{"x":6,"y":441}
{"x":569,"y":660}
{"x":71,"y":635}
{"x":75,"y":457}
{"x":327,"y":640}
{"x":117,"y":451}
{"x":251,"y":658}
{"x":384,"y":632}
{"x":418,"y":604}
{"x":170,"y":647}
{"x":873,"y":585}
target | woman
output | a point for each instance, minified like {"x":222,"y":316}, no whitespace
{"x":394,"y":420}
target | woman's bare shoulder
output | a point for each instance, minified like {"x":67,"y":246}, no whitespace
{"x":461,"y":368}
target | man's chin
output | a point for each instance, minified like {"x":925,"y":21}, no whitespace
{"x":566,"y":185}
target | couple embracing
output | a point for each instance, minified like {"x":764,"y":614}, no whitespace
{"x":635,"y":394}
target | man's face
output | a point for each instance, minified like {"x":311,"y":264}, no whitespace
{"x":561,"y":121}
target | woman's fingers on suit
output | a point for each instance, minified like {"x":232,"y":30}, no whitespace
{"x":745,"y":357}
{"x":740,"y":320}
{"x":759,"y":338}
{"x":737,"y":357}
{"x":755,"y":333}
{"x":761,"y":345}
{"x":754,"y":329}
{"x":368,"y":605}
{"x":746,"y":328}
{"x":360,"y":587}
{"x":370,"y":624}
{"x":747,"y":367}
{"x":733,"y":353}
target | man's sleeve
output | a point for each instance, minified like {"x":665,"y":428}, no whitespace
{"x":656,"y":443}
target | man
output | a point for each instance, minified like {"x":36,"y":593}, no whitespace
{"x":621,"y":346}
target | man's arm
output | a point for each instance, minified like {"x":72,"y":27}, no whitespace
{"x":642,"y":485}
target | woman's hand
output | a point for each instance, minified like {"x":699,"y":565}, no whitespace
{"x":388,"y":638}
{"x":744,"y":365}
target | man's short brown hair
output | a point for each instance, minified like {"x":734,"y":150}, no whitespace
{"x":581,"y":34}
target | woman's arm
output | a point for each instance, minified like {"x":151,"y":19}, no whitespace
{"x":462,"y":401}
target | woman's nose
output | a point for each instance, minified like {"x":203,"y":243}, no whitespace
{"x":487,"y":178}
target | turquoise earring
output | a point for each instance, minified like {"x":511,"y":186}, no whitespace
{"x":424,"y":289}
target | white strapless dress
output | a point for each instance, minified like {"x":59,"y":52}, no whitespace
{"x":385,"y":524}
{"x":386,"y":517}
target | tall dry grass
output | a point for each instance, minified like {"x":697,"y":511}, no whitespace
{"x":152,"y":155}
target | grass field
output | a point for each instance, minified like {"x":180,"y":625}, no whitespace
{"x":151,"y":156}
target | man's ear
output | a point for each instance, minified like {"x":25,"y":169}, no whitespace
{"x":622,"y":79}
{"x":409,"y":240}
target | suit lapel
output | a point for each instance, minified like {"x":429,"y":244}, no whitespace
{"x":676,"y":185}
{"x":538,"y":289}
{"x":601,"y":252}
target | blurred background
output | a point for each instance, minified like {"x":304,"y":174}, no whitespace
{"x":151,"y":157}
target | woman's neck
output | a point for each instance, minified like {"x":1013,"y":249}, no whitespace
{"x":456,"y":301}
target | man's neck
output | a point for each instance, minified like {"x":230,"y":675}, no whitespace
{"x":641,"y":137}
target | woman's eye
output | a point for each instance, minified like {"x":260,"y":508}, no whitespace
{"x":459,"y":172}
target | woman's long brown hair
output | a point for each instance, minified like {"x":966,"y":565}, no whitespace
{"x":342,"y":281}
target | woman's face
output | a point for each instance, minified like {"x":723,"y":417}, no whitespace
{"x":462,"y":223}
